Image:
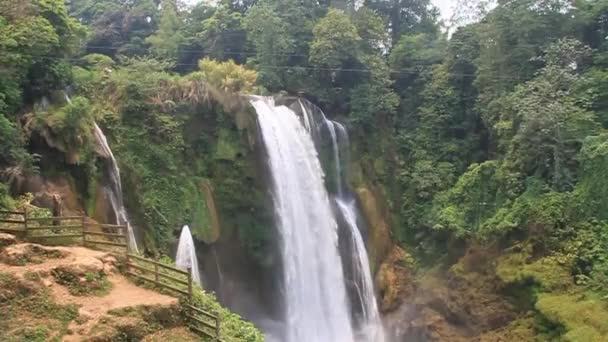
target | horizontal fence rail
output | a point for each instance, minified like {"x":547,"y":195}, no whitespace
{"x":64,"y":230}
{"x":180,"y":282}
{"x":71,"y":229}
{"x":161,"y":275}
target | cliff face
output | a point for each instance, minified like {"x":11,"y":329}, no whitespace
{"x":201,"y":164}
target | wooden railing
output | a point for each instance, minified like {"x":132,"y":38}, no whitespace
{"x":63,"y":230}
{"x":177,"y":281}
{"x":75,"y":229}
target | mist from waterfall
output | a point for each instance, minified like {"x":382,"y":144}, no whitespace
{"x":313,"y":278}
{"x":186,"y":254}
{"x":114,"y":189}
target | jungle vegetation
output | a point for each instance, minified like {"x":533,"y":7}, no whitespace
{"x":489,"y":129}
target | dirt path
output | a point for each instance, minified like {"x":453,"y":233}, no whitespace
{"x":91,"y":308}
{"x":123,"y":294}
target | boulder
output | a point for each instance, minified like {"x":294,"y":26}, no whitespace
{"x":24,"y":253}
{"x":81,"y":267}
{"x":7,"y":240}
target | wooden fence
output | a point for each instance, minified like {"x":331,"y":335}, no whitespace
{"x":69,"y":230}
{"x":64,"y":230}
{"x":177,"y":281}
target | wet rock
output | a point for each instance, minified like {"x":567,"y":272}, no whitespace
{"x":376,"y":217}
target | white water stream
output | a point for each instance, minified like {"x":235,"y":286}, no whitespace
{"x":316,"y":301}
{"x":186,"y":254}
{"x":370,"y":325}
{"x":114,"y":190}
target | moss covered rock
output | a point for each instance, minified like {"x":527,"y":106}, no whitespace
{"x":379,"y":230}
{"x":584,"y":318}
{"x":550,"y":272}
{"x":394,"y":279}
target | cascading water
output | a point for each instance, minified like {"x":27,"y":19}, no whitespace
{"x":186,"y":254}
{"x":314,"y":284}
{"x":115,"y":188}
{"x":370,"y":324}
{"x":331,"y":126}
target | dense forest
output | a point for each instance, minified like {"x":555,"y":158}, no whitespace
{"x":483,"y":139}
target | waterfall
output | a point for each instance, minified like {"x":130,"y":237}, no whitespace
{"x":315,"y":293}
{"x":115,"y":188}
{"x":186,"y":254}
{"x":331,"y":126}
{"x":370,"y":325}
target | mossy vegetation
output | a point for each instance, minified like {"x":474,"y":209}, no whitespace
{"x":134,"y":323}
{"x":90,"y":284}
{"x":232,"y":326}
{"x":583,"y":317}
{"x":29,"y":312}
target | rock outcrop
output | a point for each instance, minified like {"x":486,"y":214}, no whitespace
{"x":379,"y":243}
{"x":22,"y":254}
{"x":7,"y":240}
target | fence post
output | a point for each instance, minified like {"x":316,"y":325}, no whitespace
{"x":190,"y":284}
{"x":82,"y":222}
{"x":217,"y":328}
{"x":25,"y":223}
{"x":156,"y":273}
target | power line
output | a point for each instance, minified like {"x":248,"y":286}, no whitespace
{"x":416,"y":70}
{"x":227,"y":52}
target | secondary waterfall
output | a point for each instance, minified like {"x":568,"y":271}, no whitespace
{"x":115,"y":188}
{"x":371,"y":325}
{"x":316,"y":301}
{"x":186,"y":254}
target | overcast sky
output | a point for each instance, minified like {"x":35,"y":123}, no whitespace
{"x":445,"y":6}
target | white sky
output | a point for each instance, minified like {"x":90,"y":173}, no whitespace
{"x":445,"y":6}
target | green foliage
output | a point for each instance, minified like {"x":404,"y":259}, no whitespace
{"x":495,"y":134}
{"x":13,"y":151}
{"x":222,"y":34}
{"x":34,"y":37}
{"x":269,"y":34}
{"x":29,"y":313}
{"x":95,"y":284}
{"x":550,"y":273}
{"x":167,"y":40}
{"x":232,"y":326}
{"x":228,"y":76}
{"x":584,"y":318}
{"x":335,"y":40}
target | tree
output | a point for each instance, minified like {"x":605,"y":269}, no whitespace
{"x":35,"y":37}
{"x":335,"y":40}
{"x":228,"y":76}
{"x":167,"y":41}
{"x":222,"y":35}
{"x":407,"y":16}
{"x":269,"y":35}
{"x":547,"y":124}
